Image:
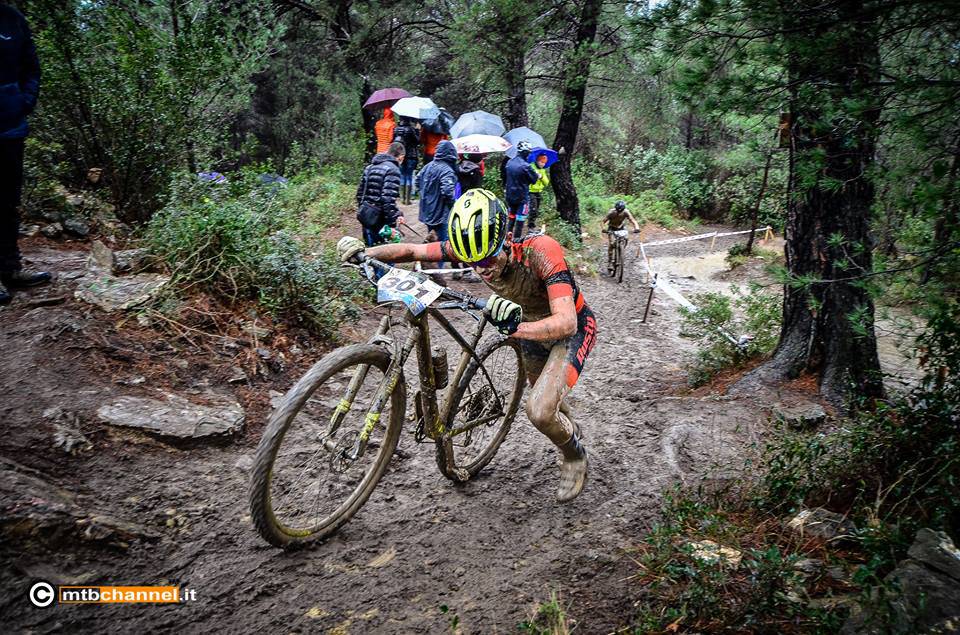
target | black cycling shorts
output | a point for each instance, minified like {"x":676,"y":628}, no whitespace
{"x":578,"y":346}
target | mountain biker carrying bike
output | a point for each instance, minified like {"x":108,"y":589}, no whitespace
{"x":535,"y":300}
{"x":614,"y":221}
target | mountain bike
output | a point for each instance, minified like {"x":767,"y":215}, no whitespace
{"x":615,"y":253}
{"x":329,"y":442}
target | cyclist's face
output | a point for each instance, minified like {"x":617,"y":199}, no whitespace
{"x":489,"y":268}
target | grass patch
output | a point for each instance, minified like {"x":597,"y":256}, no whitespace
{"x":249,"y":240}
{"x":752,"y":312}
{"x":550,"y":618}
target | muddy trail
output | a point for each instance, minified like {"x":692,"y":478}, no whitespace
{"x":123,"y":507}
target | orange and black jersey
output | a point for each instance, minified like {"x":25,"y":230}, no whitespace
{"x":536,"y":273}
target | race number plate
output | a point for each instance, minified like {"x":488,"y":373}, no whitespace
{"x":400,"y":285}
{"x":620,"y":233}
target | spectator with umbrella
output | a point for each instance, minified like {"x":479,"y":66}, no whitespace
{"x":540,"y":159}
{"x":384,"y":129}
{"x":384,"y":98}
{"x":408,"y":134}
{"x":519,"y":175}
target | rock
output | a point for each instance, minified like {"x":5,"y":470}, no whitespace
{"x":116,"y":294}
{"x":833,"y":602}
{"x":276,"y":398}
{"x":237,"y":376}
{"x":77,"y":227}
{"x":174,"y":417}
{"x":101,"y":257}
{"x":936,"y":550}
{"x":53,"y":230}
{"x":131,"y":260}
{"x":920,"y":596}
{"x":244,"y":463}
{"x":29,"y":231}
{"x":710,"y":552}
{"x":809,"y":567}
{"x":135,"y":380}
{"x":251,"y":328}
{"x":820,"y":523}
{"x":802,"y":417}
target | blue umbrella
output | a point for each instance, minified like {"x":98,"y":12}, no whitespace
{"x":477,"y":122}
{"x":552,"y":156}
{"x":523,"y":133}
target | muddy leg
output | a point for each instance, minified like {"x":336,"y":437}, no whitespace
{"x":545,"y":407}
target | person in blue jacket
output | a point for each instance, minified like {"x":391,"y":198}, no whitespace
{"x":19,"y":88}
{"x":518,"y":175}
{"x":437,"y":182}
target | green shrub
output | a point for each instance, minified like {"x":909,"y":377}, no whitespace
{"x":759,"y":318}
{"x":246,"y":242}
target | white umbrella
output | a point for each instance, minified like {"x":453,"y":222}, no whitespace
{"x":480,"y":144}
{"x":416,"y":108}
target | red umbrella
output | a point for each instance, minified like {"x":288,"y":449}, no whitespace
{"x":385,"y":95}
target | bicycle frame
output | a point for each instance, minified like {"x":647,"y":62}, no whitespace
{"x":435,"y":415}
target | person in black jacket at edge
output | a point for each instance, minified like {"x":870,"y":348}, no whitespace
{"x":377,"y":194}
{"x":19,"y":87}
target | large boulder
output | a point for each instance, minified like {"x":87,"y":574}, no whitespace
{"x":820,"y":523}
{"x":922,"y":595}
{"x":175,"y":418}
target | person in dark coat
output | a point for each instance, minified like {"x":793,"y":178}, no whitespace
{"x":408,"y":134}
{"x":519,"y":175}
{"x":19,"y":88}
{"x":437,"y":183}
{"x":470,"y":172}
{"x":377,"y":194}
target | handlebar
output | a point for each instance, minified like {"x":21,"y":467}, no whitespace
{"x":464,"y":300}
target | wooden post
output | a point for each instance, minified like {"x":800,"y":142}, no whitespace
{"x":646,"y":311}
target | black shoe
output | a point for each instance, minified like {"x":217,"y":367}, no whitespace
{"x":5,"y":296}
{"x":27,"y":278}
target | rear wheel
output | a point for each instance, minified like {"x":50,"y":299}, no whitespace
{"x":484,"y":406}
{"x":306,"y":481}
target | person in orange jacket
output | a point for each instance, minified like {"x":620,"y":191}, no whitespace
{"x":384,"y":130}
{"x":429,"y":141}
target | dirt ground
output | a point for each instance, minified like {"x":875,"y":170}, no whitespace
{"x":129,"y":509}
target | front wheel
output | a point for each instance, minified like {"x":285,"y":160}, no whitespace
{"x":484,"y":405}
{"x":619,"y":257}
{"x":308,"y":479}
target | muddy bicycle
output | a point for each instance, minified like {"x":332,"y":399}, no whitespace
{"x":616,"y":252}
{"x":329,"y":442}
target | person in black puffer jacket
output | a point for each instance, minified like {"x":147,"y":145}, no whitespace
{"x":377,"y":193}
{"x":408,"y":134}
{"x":19,"y":87}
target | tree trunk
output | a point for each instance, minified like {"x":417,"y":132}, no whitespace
{"x":369,"y":121}
{"x":756,"y":208}
{"x":516,"y":110}
{"x":828,"y":220}
{"x":576,"y":72}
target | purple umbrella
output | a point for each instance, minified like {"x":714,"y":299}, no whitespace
{"x":383,"y":96}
